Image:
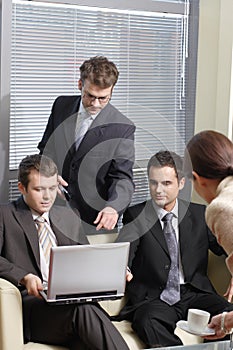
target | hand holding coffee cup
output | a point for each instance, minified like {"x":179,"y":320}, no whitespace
{"x":198,"y":320}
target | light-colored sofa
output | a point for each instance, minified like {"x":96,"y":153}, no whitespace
{"x":11,"y":330}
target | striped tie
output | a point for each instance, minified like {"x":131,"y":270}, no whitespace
{"x":44,"y":237}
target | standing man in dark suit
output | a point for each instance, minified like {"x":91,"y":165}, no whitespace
{"x":23,"y":262}
{"x":93,"y":145}
{"x":153,"y":316}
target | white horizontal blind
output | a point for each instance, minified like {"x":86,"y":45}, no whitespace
{"x":50,"y":41}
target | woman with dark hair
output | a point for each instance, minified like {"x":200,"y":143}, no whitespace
{"x":211,"y":157}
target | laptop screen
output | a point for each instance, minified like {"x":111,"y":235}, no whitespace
{"x":88,"y":272}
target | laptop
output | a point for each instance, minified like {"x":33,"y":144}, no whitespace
{"x":86,"y":273}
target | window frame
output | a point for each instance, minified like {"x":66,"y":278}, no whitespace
{"x":5,"y":83}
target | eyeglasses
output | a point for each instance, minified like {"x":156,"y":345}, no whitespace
{"x":91,"y":98}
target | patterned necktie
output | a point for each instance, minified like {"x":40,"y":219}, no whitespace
{"x":171,"y":294}
{"x":83,"y":123}
{"x":44,"y":237}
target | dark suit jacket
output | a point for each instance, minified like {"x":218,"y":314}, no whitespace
{"x":149,"y":257}
{"x":99,"y":173}
{"x":19,"y":245}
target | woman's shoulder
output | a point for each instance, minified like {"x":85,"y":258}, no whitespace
{"x":219,"y":213}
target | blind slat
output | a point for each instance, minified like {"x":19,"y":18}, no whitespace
{"x":49,"y":43}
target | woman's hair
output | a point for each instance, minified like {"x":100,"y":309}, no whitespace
{"x":211,"y":154}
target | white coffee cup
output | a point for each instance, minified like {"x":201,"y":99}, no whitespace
{"x":198,"y":320}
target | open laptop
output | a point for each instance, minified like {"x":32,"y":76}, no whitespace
{"x":86,"y":273}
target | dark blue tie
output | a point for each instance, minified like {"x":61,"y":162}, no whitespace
{"x":171,"y":294}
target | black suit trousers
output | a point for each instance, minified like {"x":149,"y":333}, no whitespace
{"x":155,"y":321}
{"x":77,"y":326}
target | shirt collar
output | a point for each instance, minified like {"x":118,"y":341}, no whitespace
{"x":83,"y":110}
{"x":161,"y":212}
{"x":35,"y":215}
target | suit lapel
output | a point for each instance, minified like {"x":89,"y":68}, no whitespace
{"x":58,"y":227}
{"x":154,"y":226}
{"x":95,"y":135}
{"x":24,"y":217}
{"x":69,"y":124}
{"x":185,"y":226}
{"x":69,"y":129}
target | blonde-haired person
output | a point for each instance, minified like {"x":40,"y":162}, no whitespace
{"x":211,"y":156}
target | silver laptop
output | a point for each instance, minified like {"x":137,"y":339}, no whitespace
{"x":86,"y":273}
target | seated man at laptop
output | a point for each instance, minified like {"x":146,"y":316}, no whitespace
{"x":29,"y":227}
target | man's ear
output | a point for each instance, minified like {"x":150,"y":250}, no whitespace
{"x":80,"y":84}
{"x":181,"y":183}
{"x":21,"y":188}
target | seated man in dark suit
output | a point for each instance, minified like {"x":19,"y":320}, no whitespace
{"x":24,"y":262}
{"x":167,"y":281}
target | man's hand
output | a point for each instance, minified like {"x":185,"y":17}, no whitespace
{"x":63,"y":183}
{"x":129,"y":274}
{"x":107,"y":218}
{"x":229,"y":292}
{"x":33,"y":284}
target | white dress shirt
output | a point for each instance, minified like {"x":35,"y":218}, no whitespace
{"x":83,"y":123}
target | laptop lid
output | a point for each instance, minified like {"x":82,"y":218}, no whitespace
{"x":85,"y":273}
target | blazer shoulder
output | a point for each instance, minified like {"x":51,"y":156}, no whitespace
{"x":8,"y":212}
{"x":191,"y":209}
{"x":4,"y":209}
{"x":116,"y":116}
{"x":133,"y":212}
{"x":7,"y":207}
{"x":64,"y":101}
{"x":67,"y":98}
{"x":197,"y":207}
{"x":68,"y":222}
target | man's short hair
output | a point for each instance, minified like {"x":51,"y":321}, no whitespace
{"x":99,"y":71}
{"x":44,"y":165}
{"x":167,"y":158}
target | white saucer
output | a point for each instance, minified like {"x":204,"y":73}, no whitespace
{"x":184,"y":326}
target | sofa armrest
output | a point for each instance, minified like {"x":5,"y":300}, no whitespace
{"x":11,"y":323}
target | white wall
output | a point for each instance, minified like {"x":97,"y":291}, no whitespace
{"x":214,"y":95}
{"x":214,"y":98}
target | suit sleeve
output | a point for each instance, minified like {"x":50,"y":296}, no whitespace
{"x":214,"y":246}
{"x":8,"y":270}
{"x":46,"y":145}
{"x":121,"y":172}
{"x":130,"y":232}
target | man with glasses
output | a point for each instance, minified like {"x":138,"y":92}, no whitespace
{"x":93,"y":145}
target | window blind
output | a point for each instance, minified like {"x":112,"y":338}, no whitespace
{"x":150,"y":49}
